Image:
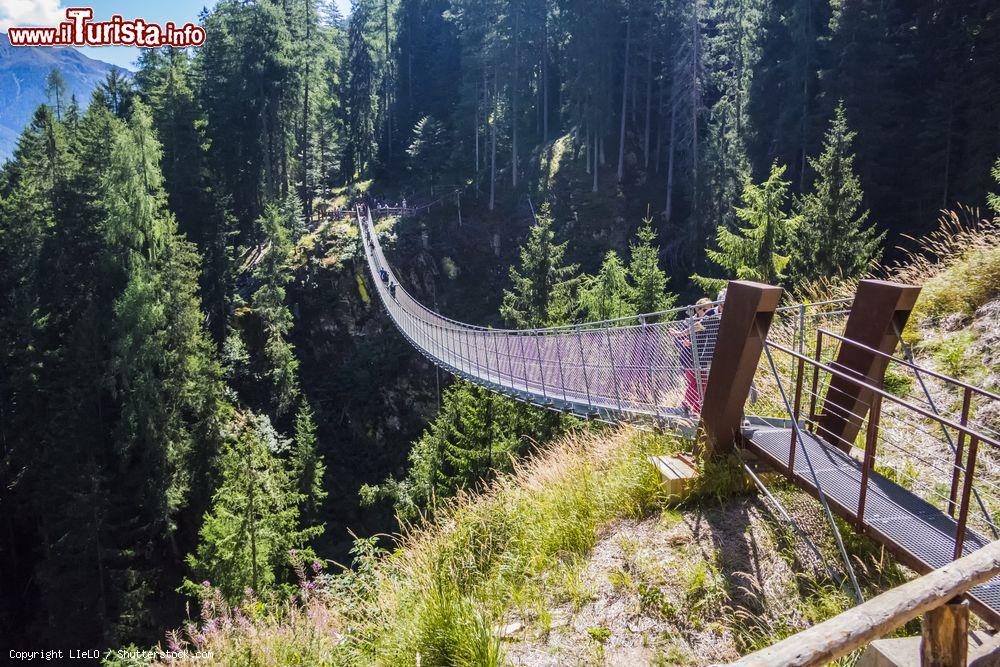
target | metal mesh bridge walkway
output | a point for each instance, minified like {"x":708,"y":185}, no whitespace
{"x":647,"y":365}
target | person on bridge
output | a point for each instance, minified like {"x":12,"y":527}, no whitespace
{"x":392,"y":290}
{"x":719,"y":302}
{"x":384,"y":275}
{"x":690,"y":341}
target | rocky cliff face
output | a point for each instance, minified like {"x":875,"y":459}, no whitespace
{"x":372,"y":392}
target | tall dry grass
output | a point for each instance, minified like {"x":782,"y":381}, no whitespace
{"x":440,"y":594}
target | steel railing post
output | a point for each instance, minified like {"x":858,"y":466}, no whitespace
{"x":648,"y":351}
{"x":468,"y":355}
{"x":510,"y":360}
{"x":562,"y":377}
{"x":496,"y":354}
{"x":541,"y":369}
{"x":868,"y":464}
{"x":583,"y":365}
{"x":959,"y":449}
{"x":614,"y":373}
{"x":963,"y":509}
{"x":695,"y":361}
{"x":796,"y":410}
{"x":486,"y":356}
{"x":815,"y":378}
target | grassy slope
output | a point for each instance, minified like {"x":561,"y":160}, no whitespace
{"x":577,"y":558}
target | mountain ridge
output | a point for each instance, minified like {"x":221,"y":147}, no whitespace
{"x":22,"y":83}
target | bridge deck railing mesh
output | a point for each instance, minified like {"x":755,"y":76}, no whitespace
{"x":653,"y":365}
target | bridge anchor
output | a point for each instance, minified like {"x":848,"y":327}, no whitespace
{"x":746,"y":317}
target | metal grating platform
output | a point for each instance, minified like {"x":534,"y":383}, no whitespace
{"x":919,"y":533}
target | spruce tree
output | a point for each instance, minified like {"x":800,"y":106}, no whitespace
{"x":308,"y":466}
{"x":279,"y":367}
{"x":607,"y":295}
{"x":360,"y":94}
{"x":649,"y":280}
{"x":55,"y":91}
{"x":253,"y":524}
{"x":541,"y":291}
{"x":429,"y":150}
{"x":834,"y":237}
{"x":758,"y":250}
{"x":475,"y":434}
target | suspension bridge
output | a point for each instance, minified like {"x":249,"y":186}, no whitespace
{"x":824,"y":425}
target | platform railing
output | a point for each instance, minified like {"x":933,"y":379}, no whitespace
{"x":909,"y":418}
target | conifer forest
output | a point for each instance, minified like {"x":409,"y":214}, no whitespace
{"x":203,"y":404}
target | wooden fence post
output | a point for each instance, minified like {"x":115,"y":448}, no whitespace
{"x":877,"y":317}
{"x":944,"y":636}
{"x":746,"y":317}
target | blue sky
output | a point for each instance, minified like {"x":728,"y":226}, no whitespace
{"x":47,"y":12}
{"x":155,"y":11}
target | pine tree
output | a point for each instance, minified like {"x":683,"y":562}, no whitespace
{"x":115,"y":93}
{"x":55,"y":91}
{"x":834,"y":237}
{"x":360,"y":93}
{"x":758,"y":250}
{"x":161,"y":369}
{"x":541,"y":291}
{"x":253,"y":524}
{"x":650,"y":281}
{"x":429,"y":150}
{"x":607,"y":295}
{"x":278,"y":363}
{"x":308,"y":466}
{"x":475,"y":434}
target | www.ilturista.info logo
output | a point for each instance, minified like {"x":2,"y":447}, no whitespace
{"x":80,"y":30}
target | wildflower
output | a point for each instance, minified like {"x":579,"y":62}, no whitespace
{"x":206,"y":583}
{"x":317,"y":566}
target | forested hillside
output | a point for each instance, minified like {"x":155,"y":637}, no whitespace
{"x":200,"y":398}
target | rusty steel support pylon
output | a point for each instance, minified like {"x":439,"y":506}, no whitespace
{"x":746,"y":317}
{"x":877,"y":318}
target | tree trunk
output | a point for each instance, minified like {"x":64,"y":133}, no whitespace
{"x":947,"y":155}
{"x":493,"y":146}
{"x":806,"y":70}
{"x":306,"y":192}
{"x":649,"y":98}
{"x":545,"y":80}
{"x":668,"y":209}
{"x":659,"y":115}
{"x":514,"y":91}
{"x":695,"y":55}
{"x":388,"y":69}
{"x":621,"y":133}
{"x":475,"y":126}
{"x":596,"y":151}
{"x":409,"y":66}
